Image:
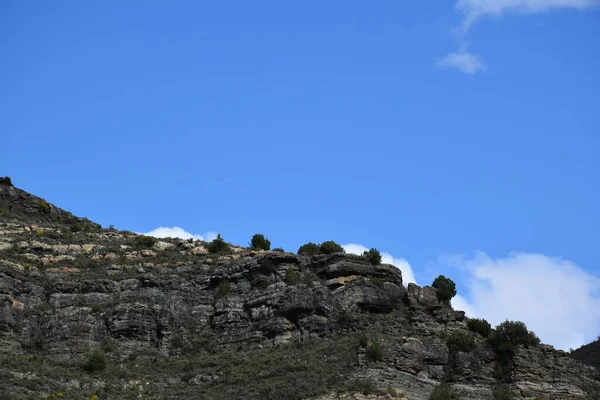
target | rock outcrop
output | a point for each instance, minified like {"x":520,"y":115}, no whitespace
{"x":174,"y":321}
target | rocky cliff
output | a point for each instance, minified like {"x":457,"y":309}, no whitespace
{"x":87,"y":312}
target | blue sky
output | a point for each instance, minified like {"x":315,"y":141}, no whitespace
{"x":461,"y":139}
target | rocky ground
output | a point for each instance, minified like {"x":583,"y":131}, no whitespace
{"x":172,"y":321}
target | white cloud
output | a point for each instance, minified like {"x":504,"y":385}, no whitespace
{"x":555,"y":298}
{"x":177,"y":232}
{"x":464,"y":61}
{"x":407,"y":273}
{"x":473,"y":10}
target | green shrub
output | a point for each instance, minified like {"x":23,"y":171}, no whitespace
{"x":510,"y":334}
{"x":377,"y":281}
{"x":363,"y":340}
{"x":96,"y":361}
{"x":292,"y":277}
{"x":502,"y":392}
{"x":330,"y":247}
{"x":75,"y":227}
{"x":446,"y":288}
{"x":460,"y":342}
{"x":443,"y":392}
{"x":224,"y":287}
{"x":144,"y":242}
{"x":267,"y":267}
{"x":375,"y":351}
{"x":259,"y":242}
{"x":365,"y":386}
{"x":480,"y":326}
{"x":218,"y":246}
{"x":308,"y":249}
{"x":96,"y":308}
{"x":43,"y":206}
{"x":279,"y":250}
{"x":373,"y":256}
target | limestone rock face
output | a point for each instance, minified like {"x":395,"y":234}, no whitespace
{"x":181,"y":323}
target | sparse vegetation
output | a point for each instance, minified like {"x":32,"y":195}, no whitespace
{"x":460,"y":342}
{"x":96,"y":361}
{"x":480,"y":326}
{"x":224,"y":288}
{"x":43,"y":207}
{"x":96,"y":308}
{"x":373,"y":256}
{"x":508,"y":336}
{"x":309,"y":249}
{"x":502,"y":392}
{"x":330,"y":247}
{"x":279,"y":250}
{"x":443,"y":392}
{"x":144,"y":242}
{"x":363,"y":340}
{"x":259,"y":242}
{"x":377,"y":281}
{"x":218,"y":246}
{"x":292,"y":277}
{"x":446,"y":288}
{"x":267,"y":267}
{"x":375,"y":351}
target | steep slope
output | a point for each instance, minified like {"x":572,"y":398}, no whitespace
{"x":588,"y":354}
{"x":86,"y":312}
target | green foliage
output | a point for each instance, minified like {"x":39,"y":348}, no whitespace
{"x":510,"y":334}
{"x":365,"y":386}
{"x":96,"y":361}
{"x":377,"y":281}
{"x":279,"y":250}
{"x":96,"y":308}
{"x":80,"y":226}
{"x":4,"y":210}
{"x":259,"y":242}
{"x":373,"y":256}
{"x":267,"y":267}
{"x":480,"y":326}
{"x":144,"y":242}
{"x":218,"y":246}
{"x":292,"y":277}
{"x":224,"y":288}
{"x":330,"y":247}
{"x":446,"y":288}
{"x":502,"y":392}
{"x":308,"y":249}
{"x":363,"y":340}
{"x":375,"y":351}
{"x":443,"y":392}
{"x":43,"y":207}
{"x":460,"y":342}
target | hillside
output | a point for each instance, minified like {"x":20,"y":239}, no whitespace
{"x":94,"y":313}
{"x":588,"y":354}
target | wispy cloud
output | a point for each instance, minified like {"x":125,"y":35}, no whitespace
{"x":556,"y":298}
{"x":177,"y":232}
{"x":464,"y":61}
{"x":474,"y":10}
{"x":407,"y":273}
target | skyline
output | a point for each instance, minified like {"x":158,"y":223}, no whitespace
{"x":460,"y":140}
